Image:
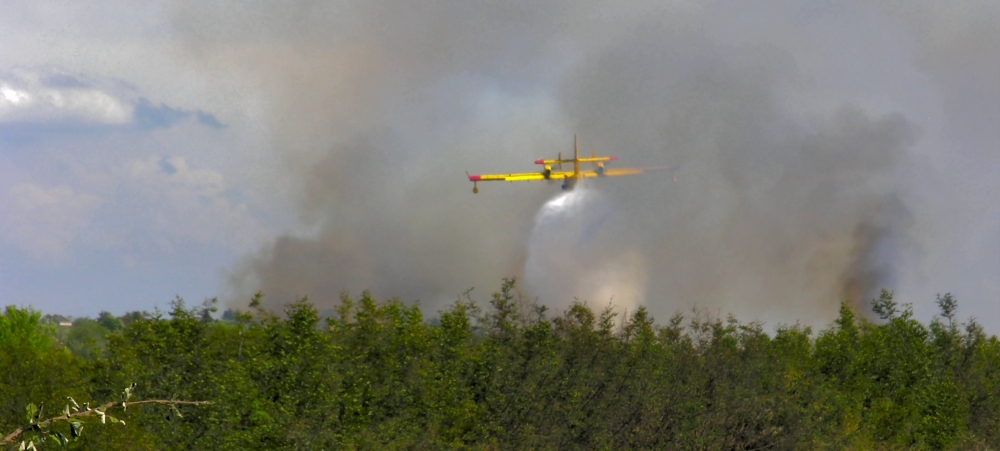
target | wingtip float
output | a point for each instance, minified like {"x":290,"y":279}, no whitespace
{"x":569,"y":178}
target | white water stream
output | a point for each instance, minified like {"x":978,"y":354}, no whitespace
{"x":570,"y":256}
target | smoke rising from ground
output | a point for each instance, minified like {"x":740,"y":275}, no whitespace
{"x":796,"y":130}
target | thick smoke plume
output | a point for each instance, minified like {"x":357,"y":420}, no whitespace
{"x":788,"y":124}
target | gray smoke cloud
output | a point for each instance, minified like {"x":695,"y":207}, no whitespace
{"x":795,"y":130}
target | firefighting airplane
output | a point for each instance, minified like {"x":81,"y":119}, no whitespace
{"x":569,"y":178}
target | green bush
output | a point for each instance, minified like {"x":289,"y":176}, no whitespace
{"x":506,"y":375}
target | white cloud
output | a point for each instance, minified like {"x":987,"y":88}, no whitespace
{"x":44,"y":222}
{"x":173,"y":177}
{"x":28,"y":96}
{"x":189,"y":203}
{"x":152,"y":205}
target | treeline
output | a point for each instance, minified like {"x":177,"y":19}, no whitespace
{"x":379,"y":375}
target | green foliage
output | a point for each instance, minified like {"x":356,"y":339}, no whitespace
{"x":109,"y":322}
{"x":23,"y":327}
{"x":507,"y":375}
{"x":40,"y":429}
{"x":34,"y":368}
{"x":131,"y":317}
{"x":86,"y":338}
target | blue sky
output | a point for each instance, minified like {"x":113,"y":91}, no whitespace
{"x":105,"y":203}
{"x":180,"y":148}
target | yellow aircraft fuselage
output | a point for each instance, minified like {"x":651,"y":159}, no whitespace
{"x":569,"y":178}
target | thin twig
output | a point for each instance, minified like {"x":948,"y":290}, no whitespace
{"x":104,"y":408}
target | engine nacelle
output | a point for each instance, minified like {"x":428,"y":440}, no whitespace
{"x":548,"y":171}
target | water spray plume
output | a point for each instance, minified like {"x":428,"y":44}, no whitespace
{"x":568,"y":260}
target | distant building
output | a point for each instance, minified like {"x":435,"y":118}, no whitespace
{"x":58,"y":320}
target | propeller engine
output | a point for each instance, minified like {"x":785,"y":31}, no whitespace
{"x":598,"y":167}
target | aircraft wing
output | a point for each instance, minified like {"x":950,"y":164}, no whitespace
{"x":524,"y":177}
{"x":620,"y":171}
